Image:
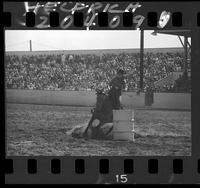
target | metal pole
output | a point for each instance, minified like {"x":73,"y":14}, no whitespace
{"x":141,"y":58}
{"x":30,"y":46}
{"x":186,"y":53}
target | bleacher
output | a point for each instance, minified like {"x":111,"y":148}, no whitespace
{"x":175,"y":82}
{"x":88,"y":71}
{"x":168,"y":80}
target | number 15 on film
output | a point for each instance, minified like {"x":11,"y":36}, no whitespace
{"x":121,"y":178}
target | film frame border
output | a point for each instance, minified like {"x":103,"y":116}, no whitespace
{"x":151,"y":15}
{"x":152,"y":19}
{"x":177,"y":164}
{"x":78,"y":170}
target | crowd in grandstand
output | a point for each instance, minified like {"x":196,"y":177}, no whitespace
{"x":90,"y":71}
{"x":181,"y":85}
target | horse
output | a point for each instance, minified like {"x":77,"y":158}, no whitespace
{"x":101,"y":114}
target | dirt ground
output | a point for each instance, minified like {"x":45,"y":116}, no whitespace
{"x":40,"y":130}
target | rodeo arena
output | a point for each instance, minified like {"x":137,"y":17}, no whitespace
{"x":106,"y":102}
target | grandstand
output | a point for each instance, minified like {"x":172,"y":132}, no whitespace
{"x":87,"y":70}
{"x":53,"y":72}
{"x":170,"y":79}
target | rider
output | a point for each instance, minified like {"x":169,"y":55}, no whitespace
{"x":117,"y":85}
{"x":104,"y":105}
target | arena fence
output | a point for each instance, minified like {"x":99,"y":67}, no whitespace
{"x":180,"y":101}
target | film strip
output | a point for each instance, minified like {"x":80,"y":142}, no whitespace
{"x":152,"y":19}
{"x":78,"y":18}
{"x":176,"y":17}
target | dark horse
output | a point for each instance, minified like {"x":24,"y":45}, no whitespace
{"x":102,"y":112}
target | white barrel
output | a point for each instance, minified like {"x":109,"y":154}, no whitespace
{"x":123,"y":125}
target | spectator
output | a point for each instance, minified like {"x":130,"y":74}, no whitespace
{"x":87,"y":71}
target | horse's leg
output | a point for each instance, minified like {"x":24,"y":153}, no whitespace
{"x":89,"y":124}
{"x":96,"y":133}
{"x":111,"y":128}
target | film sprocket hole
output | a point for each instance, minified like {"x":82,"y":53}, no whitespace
{"x":101,"y":92}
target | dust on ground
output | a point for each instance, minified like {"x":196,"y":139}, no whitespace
{"x":40,"y":130}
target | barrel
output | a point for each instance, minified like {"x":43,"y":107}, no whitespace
{"x":123,"y":125}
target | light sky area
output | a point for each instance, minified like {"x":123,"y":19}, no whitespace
{"x":18,"y":40}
